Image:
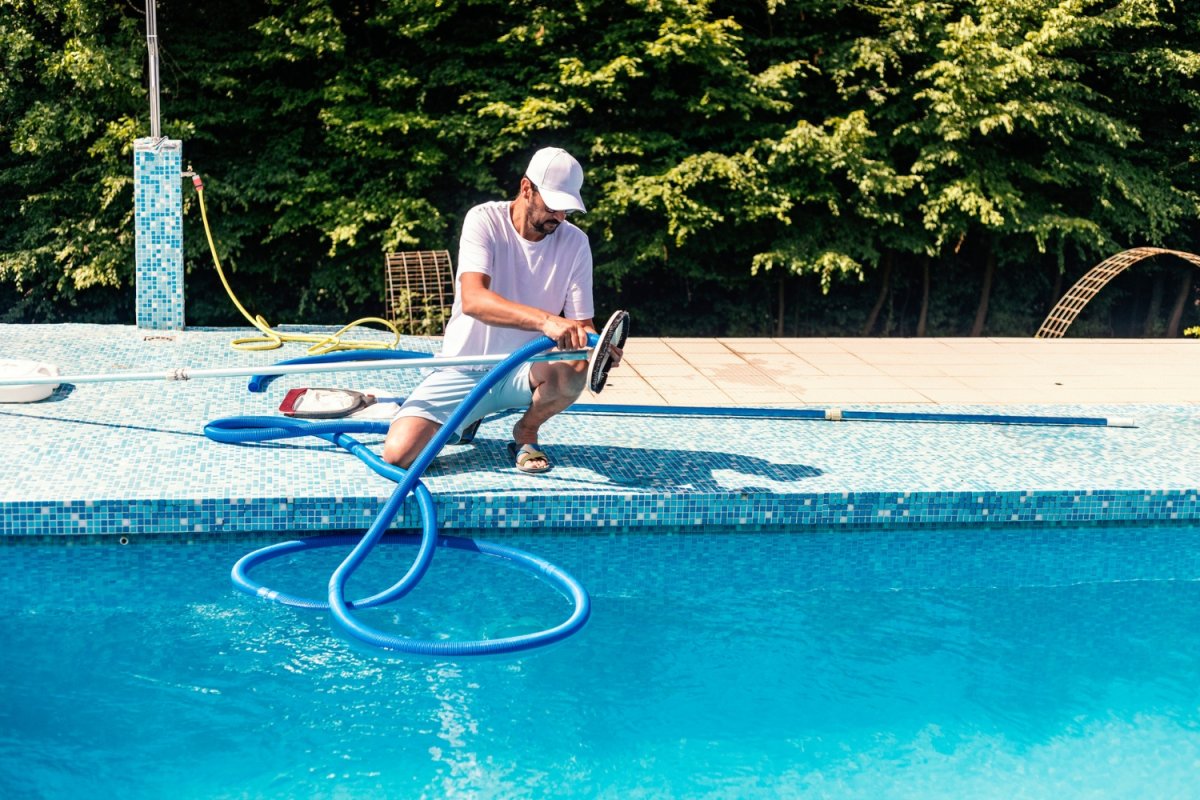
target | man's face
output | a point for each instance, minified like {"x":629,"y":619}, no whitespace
{"x":542,"y":219}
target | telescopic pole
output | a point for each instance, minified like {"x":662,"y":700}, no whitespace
{"x":152,"y":47}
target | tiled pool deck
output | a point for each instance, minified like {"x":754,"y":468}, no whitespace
{"x":127,"y":458}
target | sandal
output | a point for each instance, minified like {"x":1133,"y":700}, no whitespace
{"x":524,"y":453}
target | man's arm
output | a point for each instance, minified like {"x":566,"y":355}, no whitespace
{"x":480,"y":302}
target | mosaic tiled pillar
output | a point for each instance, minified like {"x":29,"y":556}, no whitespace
{"x":158,"y":226}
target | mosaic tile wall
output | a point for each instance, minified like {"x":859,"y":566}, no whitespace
{"x":131,"y":458}
{"x":658,"y":561}
{"x":158,"y":224}
{"x":571,"y":512}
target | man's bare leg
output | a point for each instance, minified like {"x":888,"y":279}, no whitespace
{"x":556,"y":385}
{"x":406,"y":438}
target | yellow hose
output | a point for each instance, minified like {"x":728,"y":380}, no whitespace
{"x":272,"y":339}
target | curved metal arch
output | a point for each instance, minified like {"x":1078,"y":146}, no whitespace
{"x":1065,"y":311}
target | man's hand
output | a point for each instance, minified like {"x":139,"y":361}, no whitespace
{"x":569,"y":334}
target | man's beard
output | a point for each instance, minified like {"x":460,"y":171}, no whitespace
{"x":547,"y":227}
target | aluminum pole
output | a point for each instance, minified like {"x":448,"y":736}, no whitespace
{"x":152,"y":47}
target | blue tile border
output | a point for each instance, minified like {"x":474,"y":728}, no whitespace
{"x":515,"y":512}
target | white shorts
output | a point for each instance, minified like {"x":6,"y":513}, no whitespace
{"x":441,"y":393}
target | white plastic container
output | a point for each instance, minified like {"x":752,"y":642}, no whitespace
{"x":26,"y":393}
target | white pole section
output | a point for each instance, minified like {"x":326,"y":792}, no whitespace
{"x":186,"y":373}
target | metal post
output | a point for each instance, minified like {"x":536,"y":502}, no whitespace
{"x":157,"y":211}
{"x":152,"y":47}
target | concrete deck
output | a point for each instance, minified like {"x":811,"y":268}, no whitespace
{"x":129,"y":458}
{"x":846,"y":372}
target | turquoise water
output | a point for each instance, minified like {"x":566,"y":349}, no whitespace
{"x":923,"y":664}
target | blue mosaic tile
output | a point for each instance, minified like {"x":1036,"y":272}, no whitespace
{"x":117,"y":458}
{"x":829,"y":559}
{"x":158,"y":230}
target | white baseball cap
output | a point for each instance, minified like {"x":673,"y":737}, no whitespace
{"x":558,"y":178}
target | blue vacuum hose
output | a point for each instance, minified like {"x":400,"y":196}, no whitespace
{"x":259,"y":383}
{"x":257,"y":429}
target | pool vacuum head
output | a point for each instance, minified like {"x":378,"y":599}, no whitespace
{"x":615,"y":332}
{"x":324,"y":403}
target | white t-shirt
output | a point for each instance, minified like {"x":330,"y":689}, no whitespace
{"x":554,"y":275}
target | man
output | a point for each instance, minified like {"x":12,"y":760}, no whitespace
{"x":523,"y":270}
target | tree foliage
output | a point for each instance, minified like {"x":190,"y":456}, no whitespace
{"x":778,"y":166}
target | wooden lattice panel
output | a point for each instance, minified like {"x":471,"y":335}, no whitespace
{"x":419,"y":283}
{"x":1065,"y":311}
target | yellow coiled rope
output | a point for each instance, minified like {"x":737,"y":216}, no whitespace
{"x":272,"y":339}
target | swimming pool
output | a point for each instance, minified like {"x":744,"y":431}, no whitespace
{"x":918,"y":663}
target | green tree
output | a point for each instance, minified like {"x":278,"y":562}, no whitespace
{"x":749,"y":165}
{"x":69,"y":102}
{"x":1019,"y":149}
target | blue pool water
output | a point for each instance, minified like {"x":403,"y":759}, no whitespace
{"x":926,"y":664}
